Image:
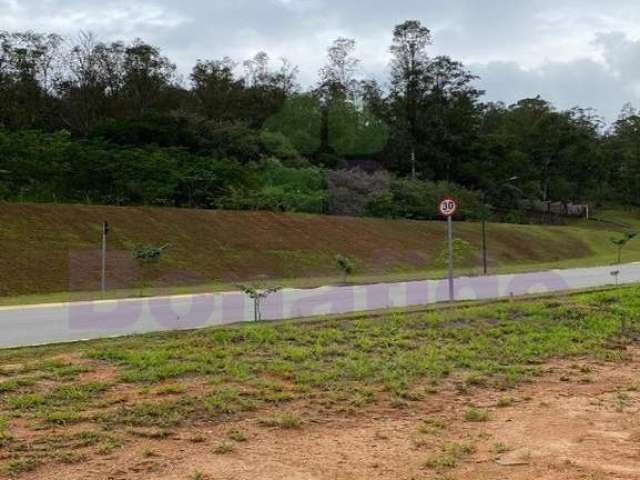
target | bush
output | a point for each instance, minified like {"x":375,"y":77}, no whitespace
{"x":278,"y":145}
{"x":419,"y":199}
{"x":283,"y":189}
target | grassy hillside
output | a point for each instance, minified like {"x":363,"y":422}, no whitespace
{"x":55,"y":248}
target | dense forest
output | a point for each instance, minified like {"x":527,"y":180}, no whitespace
{"x":115,"y":123}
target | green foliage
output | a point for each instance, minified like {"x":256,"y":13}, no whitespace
{"x":283,"y":189}
{"x":132,"y":134}
{"x":299,"y":122}
{"x":419,"y":199}
{"x":354,"y":131}
{"x":279,"y":146}
{"x":258,"y":295}
{"x":148,"y":254}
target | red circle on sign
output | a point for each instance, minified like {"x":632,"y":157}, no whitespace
{"x":448,"y":206}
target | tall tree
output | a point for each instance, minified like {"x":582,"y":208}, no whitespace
{"x":337,"y":83}
{"x":410,"y":41}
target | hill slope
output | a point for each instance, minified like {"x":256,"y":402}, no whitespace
{"x":55,"y":248}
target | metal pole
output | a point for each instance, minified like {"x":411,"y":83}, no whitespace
{"x":484,"y":245}
{"x":450,"y":225}
{"x":105,"y":230}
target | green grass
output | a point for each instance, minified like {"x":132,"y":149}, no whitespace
{"x":312,"y":368}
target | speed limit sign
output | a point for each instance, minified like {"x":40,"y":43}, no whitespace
{"x":448,"y":207}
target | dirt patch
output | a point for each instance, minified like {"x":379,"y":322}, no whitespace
{"x":579,"y":420}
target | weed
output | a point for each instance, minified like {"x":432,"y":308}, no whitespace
{"x":285,"y":421}
{"x":473,"y":414}
{"x":224,"y":447}
{"x":15,"y":384}
{"x":433,"y":426}
{"x":450,"y":455}
{"x":22,"y":465}
{"x":173,"y":389}
{"x":499,"y":448}
{"x":504,"y":402}
{"x":70,"y":457}
{"x":148,"y":453}
{"x":62,"y":417}
{"x":237,"y":435}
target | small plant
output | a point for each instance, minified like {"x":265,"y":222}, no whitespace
{"x":224,"y":448}
{"x":22,"y":465}
{"x":286,"y":421}
{"x":147,"y":256}
{"x":197,"y":475}
{"x":450,"y":455}
{"x":504,"y":402}
{"x":237,"y":435}
{"x":622,"y":242}
{"x":473,"y":414}
{"x":500,"y":448}
{"x":148,"y":453}
{"x":433,"y":426}
{"x":345,"y":265}
{"x":258,"y":295}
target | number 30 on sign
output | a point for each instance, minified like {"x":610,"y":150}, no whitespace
{"x":448,"y":207}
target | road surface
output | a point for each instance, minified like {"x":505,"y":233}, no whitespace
{"x":65,"y":322}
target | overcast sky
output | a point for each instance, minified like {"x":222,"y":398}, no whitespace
{"x":573,"y":52}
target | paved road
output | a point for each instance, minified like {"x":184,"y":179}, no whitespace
{"x":45,"y":324}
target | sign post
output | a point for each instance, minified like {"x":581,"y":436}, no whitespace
{"x":105,"y":232}
{"x":448,"y":207}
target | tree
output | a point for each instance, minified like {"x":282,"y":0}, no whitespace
{"x":410,"y":40}
{"x":622,"y":242}
{"x":148,"y":76}
{"x":337,"y":83}
{"x":448,"y":118}
{"x":258,"y":295}
{"x":30,"y":65}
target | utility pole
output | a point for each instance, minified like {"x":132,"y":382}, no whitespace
{"x":484,"y":244}
{"x":105,"y":232}
{"x":485,"y":214}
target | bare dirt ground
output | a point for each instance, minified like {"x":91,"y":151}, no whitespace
{"x":579,"y":420}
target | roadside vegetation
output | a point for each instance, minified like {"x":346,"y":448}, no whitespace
{"x":66,"y":404}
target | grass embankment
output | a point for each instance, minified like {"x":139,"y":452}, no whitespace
{"x":49,"y":249}
{"x":81,"y":402}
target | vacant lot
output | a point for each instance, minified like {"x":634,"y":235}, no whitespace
{"x":519,"y":390}
{"x":55,"y":248}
